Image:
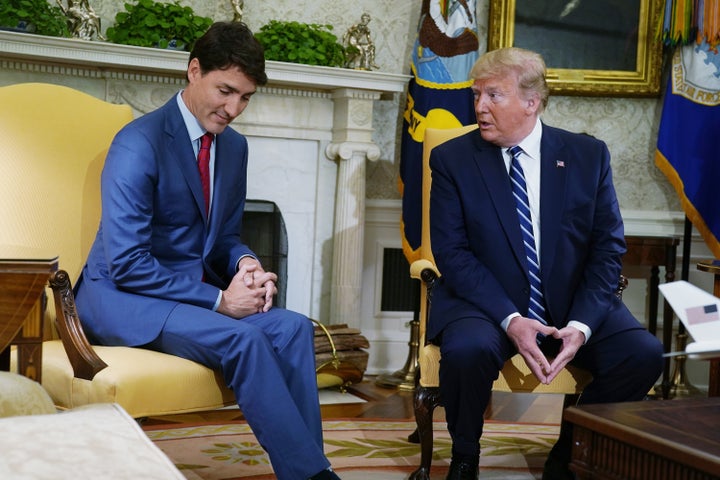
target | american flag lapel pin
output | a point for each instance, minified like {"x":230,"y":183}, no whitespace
{"x":559,"y":164}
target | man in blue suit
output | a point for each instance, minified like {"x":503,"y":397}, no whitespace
{"x":169,"y":272}
{"x":483,"y":311}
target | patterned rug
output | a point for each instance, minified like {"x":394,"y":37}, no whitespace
{"x":357,"y":449}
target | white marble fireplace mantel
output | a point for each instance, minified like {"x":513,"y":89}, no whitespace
{"x":310,"y":134}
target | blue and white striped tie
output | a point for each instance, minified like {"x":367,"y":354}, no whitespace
{"x":536,"y":308}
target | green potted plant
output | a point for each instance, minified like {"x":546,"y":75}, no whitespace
{"x":148,"y":23}
{"x":295,"y":42}
{"x":33,"y":16}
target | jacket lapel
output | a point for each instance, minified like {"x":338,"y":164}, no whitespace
{"x":489,"y":161}
{"x":181,"y":150}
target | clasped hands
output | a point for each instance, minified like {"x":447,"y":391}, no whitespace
{"x":250,"y":291}
{"x":523,"y":333}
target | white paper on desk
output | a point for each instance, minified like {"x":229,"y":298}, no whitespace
{"x":699,"y":311}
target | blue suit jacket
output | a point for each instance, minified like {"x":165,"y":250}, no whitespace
{"x":154,"y":242}
{"x":477,"y":244}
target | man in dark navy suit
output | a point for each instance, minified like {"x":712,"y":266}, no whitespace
{"x":483,"y":308}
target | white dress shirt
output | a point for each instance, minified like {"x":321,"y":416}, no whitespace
{"x":529,"y":160}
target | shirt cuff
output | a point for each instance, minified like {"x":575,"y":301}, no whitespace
{"x":237,"y":264}
{"x":587,"y":331}
{"x":217,"y":302}
{"x":582,"y":327}
{"x":506,"y":323}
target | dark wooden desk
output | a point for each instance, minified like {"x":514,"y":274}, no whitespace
{"x":23,"y":276}
{"x":655,"y":252}
{"x":652,"y":440}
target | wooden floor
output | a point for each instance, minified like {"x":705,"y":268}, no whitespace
{"x":392,"y":403}
{"x":398,"y":404}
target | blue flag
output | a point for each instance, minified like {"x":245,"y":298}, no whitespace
{"x":439,"y":96}
{"x":688,"y":148}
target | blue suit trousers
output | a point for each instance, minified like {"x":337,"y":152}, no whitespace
{"x":624,"y":367}
{"x":268,"y":360}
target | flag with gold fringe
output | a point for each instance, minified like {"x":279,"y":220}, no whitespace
{"x":687,"y":147}
{"x":439,"y":96}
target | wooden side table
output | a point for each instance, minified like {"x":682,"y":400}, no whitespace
{"x":655,"y":252}
{"x":714,"y":378}
{"x":23,"y":277}
{"x":648,"y":440}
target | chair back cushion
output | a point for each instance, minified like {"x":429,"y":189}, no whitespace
{"x":53,"y":142}
{"x":433,"y":138}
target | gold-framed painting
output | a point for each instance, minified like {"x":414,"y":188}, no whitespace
{"x":590,"y":47}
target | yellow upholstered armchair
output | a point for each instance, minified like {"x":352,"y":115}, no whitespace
{"x":53,"y":142}
{"x":515,"y":375}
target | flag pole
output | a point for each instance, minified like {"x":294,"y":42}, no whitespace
{"x":404,"y":379}
{"x":679,"y":384}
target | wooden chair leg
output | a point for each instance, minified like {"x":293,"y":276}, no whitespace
{"x":426,"y":399}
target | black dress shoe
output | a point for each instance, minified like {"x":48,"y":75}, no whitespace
{"x":327,"y":474}
{"x":460,"y":470}
{"x":556,"y":470}
{"x":556,"y":465}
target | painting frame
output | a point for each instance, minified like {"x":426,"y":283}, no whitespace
{"x":642,"y":81}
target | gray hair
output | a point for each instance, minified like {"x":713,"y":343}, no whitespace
{"x":527,"y":66}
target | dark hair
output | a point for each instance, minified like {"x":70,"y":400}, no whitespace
{"x":231,"y":44}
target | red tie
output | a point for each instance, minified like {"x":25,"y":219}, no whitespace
{"x":204,"y":166}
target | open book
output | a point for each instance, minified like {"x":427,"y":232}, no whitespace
{"x":698,"y":310}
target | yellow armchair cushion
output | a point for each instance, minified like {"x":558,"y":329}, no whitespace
{"x":142,"y":381}
{"x":515,"y":376}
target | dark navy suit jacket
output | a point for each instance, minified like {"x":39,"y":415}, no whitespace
{"x":154,"y":242}
{"x":477,"y":244}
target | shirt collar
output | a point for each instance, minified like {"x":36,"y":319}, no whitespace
{"x":194,"y":129}
{"x":531,"y":143}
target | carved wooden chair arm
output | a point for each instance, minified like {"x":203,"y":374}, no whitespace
{"x":85,"y":362}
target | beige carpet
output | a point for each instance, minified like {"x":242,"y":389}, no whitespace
{"x":357,"y":448}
